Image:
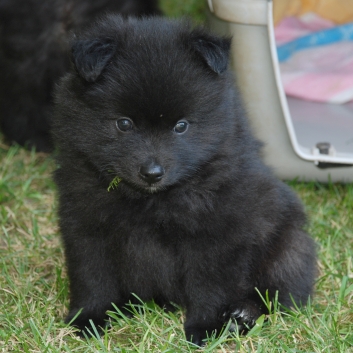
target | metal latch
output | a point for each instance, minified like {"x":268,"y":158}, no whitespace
{"x":327,"y":149}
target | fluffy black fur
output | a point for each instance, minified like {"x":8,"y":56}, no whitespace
{"x":197,"y":219}
{"x":34,"y":54}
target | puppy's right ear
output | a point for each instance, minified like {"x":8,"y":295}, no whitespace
{"x":90,"y":57}
{"x":214,"y":51}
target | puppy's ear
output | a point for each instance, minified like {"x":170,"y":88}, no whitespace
{"x":214,"y":51}
{"x":91,"y":56}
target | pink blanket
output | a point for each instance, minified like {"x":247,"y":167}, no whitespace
{"x":321,"y":73}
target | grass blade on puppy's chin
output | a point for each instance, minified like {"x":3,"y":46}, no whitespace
{"x":114,"y":183}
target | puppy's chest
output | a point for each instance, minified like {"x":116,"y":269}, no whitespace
{"x":156,"y":242}
{"x":152,"y":264}
{"x":171,"y":217}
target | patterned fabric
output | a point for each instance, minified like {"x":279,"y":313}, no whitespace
{"x":316,"y":58}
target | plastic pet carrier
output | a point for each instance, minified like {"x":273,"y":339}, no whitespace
{"x":304,"y":139}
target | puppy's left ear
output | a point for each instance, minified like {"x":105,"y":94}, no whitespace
{"x":213,"y":50}
{"x":91,"y":56}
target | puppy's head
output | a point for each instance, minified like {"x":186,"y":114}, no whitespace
{"x":147,"y":101}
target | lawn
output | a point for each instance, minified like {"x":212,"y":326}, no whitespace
{"x":34,"y":286}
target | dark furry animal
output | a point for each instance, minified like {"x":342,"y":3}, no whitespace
{"x":34,"y":55}
{"x":197,"y":219}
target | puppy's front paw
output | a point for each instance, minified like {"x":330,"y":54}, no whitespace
{"x":243,"y":314}
{"x":197,"y":332}
{"x":196,"y":335}
{"x":84,"y":321}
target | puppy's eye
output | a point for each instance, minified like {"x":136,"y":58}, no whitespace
{"x":181,"y":127}
{"x":124,"y":124}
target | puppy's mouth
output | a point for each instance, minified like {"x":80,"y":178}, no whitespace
{"x":147,"y":188}
{"x":151,"y":189}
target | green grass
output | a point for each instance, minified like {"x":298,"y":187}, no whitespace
{"x":34,"y":286}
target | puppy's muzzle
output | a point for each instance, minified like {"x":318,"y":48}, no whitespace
{"x":151,"y":173}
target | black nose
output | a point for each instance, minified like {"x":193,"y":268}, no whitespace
{"x":151,"y":173}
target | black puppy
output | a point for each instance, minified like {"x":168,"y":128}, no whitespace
{"x":162,"y":190}
{"x":34,"y":55}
